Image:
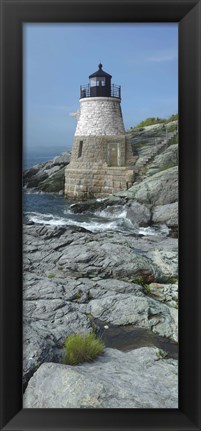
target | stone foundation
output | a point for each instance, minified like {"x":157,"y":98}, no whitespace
{"x":93,"y":183}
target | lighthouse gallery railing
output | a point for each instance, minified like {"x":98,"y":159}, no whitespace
{"x":115,"y":91}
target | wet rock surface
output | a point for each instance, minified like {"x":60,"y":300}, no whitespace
{"x":167,"y":214}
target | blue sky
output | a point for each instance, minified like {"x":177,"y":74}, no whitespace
{"x":58,"y":58}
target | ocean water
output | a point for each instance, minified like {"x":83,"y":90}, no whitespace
{"x":55,"y":210}
{"x":33,"y":157}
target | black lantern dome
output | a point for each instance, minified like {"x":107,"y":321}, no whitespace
{"x":100,"y":85}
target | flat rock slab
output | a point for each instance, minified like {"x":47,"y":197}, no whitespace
{"x":136,"y":379}
{"x":125,"y":309}
{"x":67,"y":252}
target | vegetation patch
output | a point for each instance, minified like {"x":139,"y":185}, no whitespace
{"x":91,"y":319}
{"x":138,"y":280}
{"x":78,"y":295}
{"x":171,"y":280}
{"x":144,"y":278}
{"x":82,"y":348}
{"x":168,"y":166}
{"x":161,"y":354}
{"x":151,"y":121}
{"x":51,"y":276}
{"x":147,"y":289}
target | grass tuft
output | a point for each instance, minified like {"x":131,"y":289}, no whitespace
{"x":51,"y":276}
{"x":82,"y":348}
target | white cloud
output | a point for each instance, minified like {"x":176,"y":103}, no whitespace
{"x":163,"y":56}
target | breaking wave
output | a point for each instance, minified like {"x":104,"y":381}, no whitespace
{"x":56,"y":211}
{"x":91,"y":225}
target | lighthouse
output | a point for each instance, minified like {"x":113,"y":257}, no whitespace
{"x":101,"y":156}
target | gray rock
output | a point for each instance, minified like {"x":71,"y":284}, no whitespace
{"x":138,"y":214}
{"x":68,"y":252}
{"x":167,"y":214}
{"x":142,"y":311}
{"x":93,"y":205}
{"x":166,"y":262}
{"x":167,"y":293}
{"x":47,"y":176}
{"x":108,"y":258}
{"x":158,"y":189}
{"x":136,"y":379}
{"x":169,"y":157}
{"x":38,"y":347}
{"x":70,"y":274}
{"x":50,"y":315}
{"x":64,"y":251}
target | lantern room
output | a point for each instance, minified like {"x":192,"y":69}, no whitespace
{"x":100,"y":85}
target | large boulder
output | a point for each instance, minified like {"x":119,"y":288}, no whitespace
{"x":138,"y":213}
{"x":167,"y":214}
{"x":115,"y":207}
{"x":158,"y":189}
{"x":137,"y":379}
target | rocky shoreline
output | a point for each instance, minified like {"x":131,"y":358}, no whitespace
{"x":74,"y":278}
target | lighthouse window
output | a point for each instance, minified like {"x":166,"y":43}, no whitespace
{"x":80,"y":149}
{"x":97,"y":82}
{"x":101,"y":82}
{"x":93,"y":82}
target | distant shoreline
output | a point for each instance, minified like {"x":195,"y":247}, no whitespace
{"x":34,"y":157}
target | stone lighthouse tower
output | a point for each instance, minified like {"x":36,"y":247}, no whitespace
{"x":101,"y":156}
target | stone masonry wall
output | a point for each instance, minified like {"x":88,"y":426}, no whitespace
{"x":85,"y":184}
{"x":95,"y":151}
{"x":100,"y":116}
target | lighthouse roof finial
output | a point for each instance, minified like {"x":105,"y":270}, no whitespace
{"x":99,"y":72}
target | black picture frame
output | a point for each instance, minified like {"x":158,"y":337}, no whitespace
{"x":188,"y":15}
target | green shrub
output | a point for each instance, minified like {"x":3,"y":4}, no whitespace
{"x":51,"y":276}
{"x":82,"y":348}
{"x":173,"y":117}
{"x":155,"y":120}
{"x":138,"y":280}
